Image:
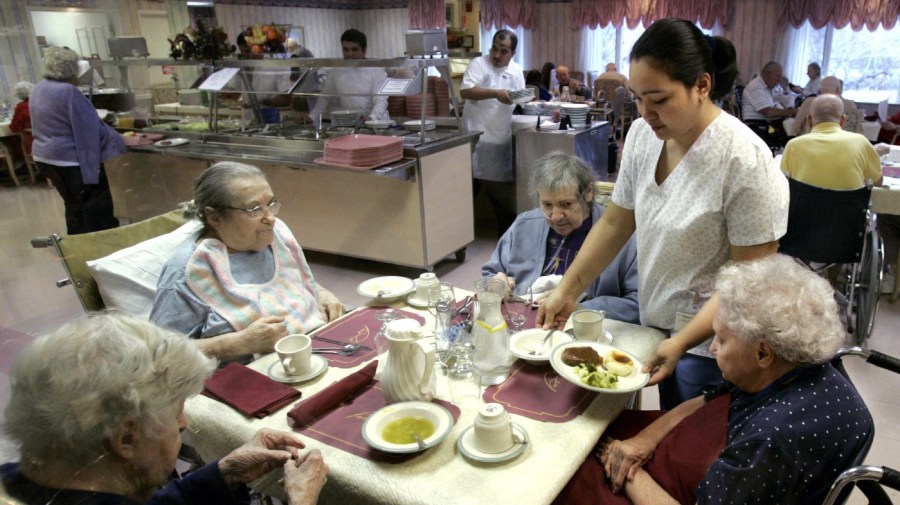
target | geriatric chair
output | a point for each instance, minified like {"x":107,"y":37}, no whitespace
{"x":76,"y":250}
{"x":828,"y":228}
{"x":868,"y":478}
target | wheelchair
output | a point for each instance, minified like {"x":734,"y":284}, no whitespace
{"x":868,"y":478}
{"x":828,"y":228}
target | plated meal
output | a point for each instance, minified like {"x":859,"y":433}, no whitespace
{"x":171,"y":142}
{"x":598,"y":367}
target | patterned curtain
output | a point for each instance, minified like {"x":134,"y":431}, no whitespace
{"x":840,"y":13}
{"x":593,"y":13}
{"x":496,"y":14}
{"x":427,"y":14}
{"x":323,"y":4}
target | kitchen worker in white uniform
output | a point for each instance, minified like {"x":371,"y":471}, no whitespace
{"x":347,"y":82}
{"x":485,"y":87}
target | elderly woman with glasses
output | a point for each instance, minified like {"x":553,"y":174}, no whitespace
{"x":563,"y":185}
{"x":97,"y":410}
{"x":242,"y":282}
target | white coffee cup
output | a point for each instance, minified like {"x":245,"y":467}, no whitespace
{"x":588,"y":324}
{"x":493,"y":429}
{"x":423,"y":283}
{"x":295,"y":353}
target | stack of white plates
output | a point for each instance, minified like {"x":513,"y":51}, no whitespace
{"x":417,"y":125}
{"x":345,"y":117}
{"x":577,"y":113}
{"x":522,"y":95}
{"x":533,"y":109}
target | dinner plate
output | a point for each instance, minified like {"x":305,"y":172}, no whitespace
{"x":171,"y":142}
{"x":374,"y":426}
{"x":391,"y":287}
{"x":380,"y":124}
{"x":317,"y":366}
{"x":625,"y":384}
{"x":523,"y":99}
{"x":466,"y":445}
{"x":525,"y":341}
{"x":415,"y":302}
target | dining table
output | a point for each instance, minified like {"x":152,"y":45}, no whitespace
{"x":555,"y":448}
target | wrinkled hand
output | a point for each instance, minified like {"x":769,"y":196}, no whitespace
{"x":554,"y":310}
{"x":664,"y":359}
{"x":621,"y":459}
{"x":509,"y":281}
{"x":304,"y":478}
{"x":503,"y":97}
{"x":329,"y":305}
{"x":882,"y":149}
{"x":267,"y":450}
{"x":261,"y":335}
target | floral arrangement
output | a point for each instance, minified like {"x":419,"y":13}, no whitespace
{"x":201,"y":43}
{"x":263,"y":38}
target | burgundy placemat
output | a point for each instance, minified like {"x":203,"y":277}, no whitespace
{"x":890,"y":170}
{"x":358,"y":327}
{"x":538,"y":392}
{"x":342,"y":427}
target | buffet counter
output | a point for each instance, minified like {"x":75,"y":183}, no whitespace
{"x":412,"y":212}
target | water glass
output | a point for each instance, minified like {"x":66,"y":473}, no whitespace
{"x":465,"y":389}
{"x":441,"y":303}
{"x":381,"y":341}
{"x":517,"y":307}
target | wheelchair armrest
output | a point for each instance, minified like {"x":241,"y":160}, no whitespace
{"x":885,"y":361}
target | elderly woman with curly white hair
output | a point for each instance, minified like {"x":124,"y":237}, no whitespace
{"x":780,"y":428}
{"x":97,"y":410}
{"x":71,"y":143}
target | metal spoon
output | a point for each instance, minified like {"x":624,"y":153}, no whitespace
{"x":346,"y":350}
{"x":540,"y":350}
{"x":419,"y":441}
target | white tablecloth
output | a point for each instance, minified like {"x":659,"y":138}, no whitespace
{"x":442,"y":474}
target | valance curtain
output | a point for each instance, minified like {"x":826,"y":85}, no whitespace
{"x":593,"y":13}
{"x":427,"y":14}
{"x":496,"y":14}
{"x":840,"y":13}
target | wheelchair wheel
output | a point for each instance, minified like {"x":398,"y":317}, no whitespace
{"x":867,"y":287}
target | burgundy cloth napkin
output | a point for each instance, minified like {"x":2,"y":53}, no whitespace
{"x":248,"y":391}
{"x":332,"y":396}
{"x":342,"y":427}
{"x":357,"y":327}
{"x":538,"y":392}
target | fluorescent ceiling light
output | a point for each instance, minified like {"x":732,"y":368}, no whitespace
{"x":200,"y":3}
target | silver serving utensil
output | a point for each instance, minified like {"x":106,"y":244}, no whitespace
{"x":419,"y":441}
{"x":540,"y":350}
{"x":346,"y":350}
{"x":382,"y":292}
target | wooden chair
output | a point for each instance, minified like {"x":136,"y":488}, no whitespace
{"x":7,"y":155}
{"x":26,"y":154}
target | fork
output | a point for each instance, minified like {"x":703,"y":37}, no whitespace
{"x":540,"y":350}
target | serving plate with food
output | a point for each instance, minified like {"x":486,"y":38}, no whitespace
{"x":598,"y":367}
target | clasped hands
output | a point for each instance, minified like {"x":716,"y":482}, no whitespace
{"x":621,"y":459}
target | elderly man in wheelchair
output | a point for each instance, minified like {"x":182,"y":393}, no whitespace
{"x":780,"y":428}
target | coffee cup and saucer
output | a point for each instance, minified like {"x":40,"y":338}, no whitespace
{"x":492,"y":438}
{"x":296,"y":362}
{"x":419,"y":297}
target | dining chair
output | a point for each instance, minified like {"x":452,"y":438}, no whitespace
{"x":11,"y":167}
{"x":26,"y":153}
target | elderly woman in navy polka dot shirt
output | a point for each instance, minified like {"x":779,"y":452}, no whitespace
{"x":794,"y":422}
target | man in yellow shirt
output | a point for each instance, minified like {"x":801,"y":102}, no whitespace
{"x":829,"y":157}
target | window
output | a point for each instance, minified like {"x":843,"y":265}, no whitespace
{"x":867,"y":62}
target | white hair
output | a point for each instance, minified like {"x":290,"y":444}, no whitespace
{"x":60,"y":64}
{"x":72,"y":388}
{"x":23,"y":89}
{"x":777,"y":300}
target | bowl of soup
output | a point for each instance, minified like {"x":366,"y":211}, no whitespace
{"x":394,"y":428}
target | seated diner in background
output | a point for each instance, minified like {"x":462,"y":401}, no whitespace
{"x":575,"y":86}
{"x":563,"y":185}
{"x":814,"y":85}
{"x":533,"y":78}
{"x":761,"y":108}
{"x":765,"y":435}
{"x":21,"y":119}
{"x":831,"y":85}
{"x":829,"y":157}
{"x":242,"y":282}
{"x":97,"y":409}
{"x":890,"y":130}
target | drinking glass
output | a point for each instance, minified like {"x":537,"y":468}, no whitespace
{"x":465,"y":388}
{"x":381,"y":341}
{"x":441,"y":302}
{"x":517,"y":307}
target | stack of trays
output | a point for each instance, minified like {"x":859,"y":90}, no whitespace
{"x":415,"y":103}
{"x":522,"y":95}
{"x":345,"y":118}
{"x":417,"y":125}
{"x":397,"y":106}
{"x":437,"y":88}
{"x":362,"y":151}
{"x":577,"y":113}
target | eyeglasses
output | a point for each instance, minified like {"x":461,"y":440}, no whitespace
{"x":257,"y":212}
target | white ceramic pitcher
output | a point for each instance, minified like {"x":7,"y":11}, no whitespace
{"x":408,"y":374}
